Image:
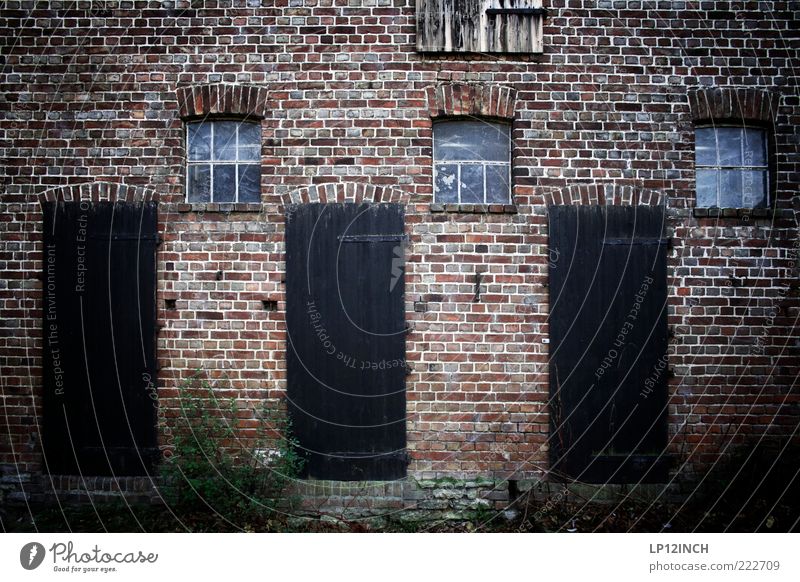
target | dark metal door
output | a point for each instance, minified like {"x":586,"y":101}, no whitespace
{"x":345,"y":321}
{"x":608,"y":340}
{"x":99,"y":335}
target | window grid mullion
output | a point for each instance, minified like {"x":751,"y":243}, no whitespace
{"x":188,"y":166}
{"x":458,"y":182}
{"x":508,"y":181}
{"x":743,"y":135}
{"x":236,"y":165}
{"x":476,"y":162}
{"x":211,"y":166}
{"x":485,"y":193}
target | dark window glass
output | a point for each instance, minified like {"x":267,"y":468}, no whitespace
{"x":729,"y":146}
{"x":706,"y":188}
{"x":446,"y":183}
{"x":497,"y":184}
{"x":224,"y":183}
{"x":754,"y":148}
{"x":731,"y":165}
{"x":472,"y":140}
{"x":225,"y":140}
{"x":200,"y":183}
{"x":472,"y":184}
{"x":754,"y":184}
{"x":249,"y":183}
{"x":223,"y":161}
{"x":199,"y":141}
{"x":472,"y":162}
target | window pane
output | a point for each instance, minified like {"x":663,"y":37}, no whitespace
{"x":706,"y":188}
{"x":199,"y":141}
{"x":737,"y":148}
{"x":471,"y":140}
{"x":225,"y":183}
{"x":755,"y":153}
{"x":497,"y":187}
{"x":754,"y":189}
{"x":729,"y":144}
{"x":225,"y":140}
{"x":249,"y":154}
{"x":249,"y":134}
{"x":472,"y":184}
{"x":730,"y":188}
{"x":199,"y":183}
{"x":445,"y":187}
{"x":250,"y":183}
{"x":705,"y":146}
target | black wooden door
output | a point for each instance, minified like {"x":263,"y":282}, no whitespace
{"x":99,"y":337}
{"x":608,"y":340}
{"x":346,"y":339}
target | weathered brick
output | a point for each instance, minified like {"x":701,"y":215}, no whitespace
{"x":604,"y":116}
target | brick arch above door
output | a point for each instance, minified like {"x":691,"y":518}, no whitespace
{"x":99,"y":192}
{"x":345,"y":192}
{"x":603,"y":194}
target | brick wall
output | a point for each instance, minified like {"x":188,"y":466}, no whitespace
{"x":93,"y":100}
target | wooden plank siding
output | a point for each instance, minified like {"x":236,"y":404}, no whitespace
{"x":479,"y":26}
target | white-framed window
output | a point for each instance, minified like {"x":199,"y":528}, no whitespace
{"x":471,"y":162}
{"x":732,"y":167}
{"x":223,"y":161}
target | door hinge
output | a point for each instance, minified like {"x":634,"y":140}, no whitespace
{"x":372,"y":238}
{"x":637,"y":241}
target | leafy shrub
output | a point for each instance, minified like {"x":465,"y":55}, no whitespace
{"x":214,"y":469}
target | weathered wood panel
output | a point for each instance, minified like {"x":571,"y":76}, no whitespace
{"x":480,"y":26}
{"x":345,"y":320}
{"x":608,"y":340}
{"x":99,"y":338}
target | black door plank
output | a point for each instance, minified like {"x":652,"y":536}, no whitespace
{"x":346,"y":338}
{"x":100,"y":338}
{"x":608,"y":339}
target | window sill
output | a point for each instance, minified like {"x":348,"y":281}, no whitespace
{"x":216,"y":207}
{"x":735,"y":212}
{"x":475,"y":208}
